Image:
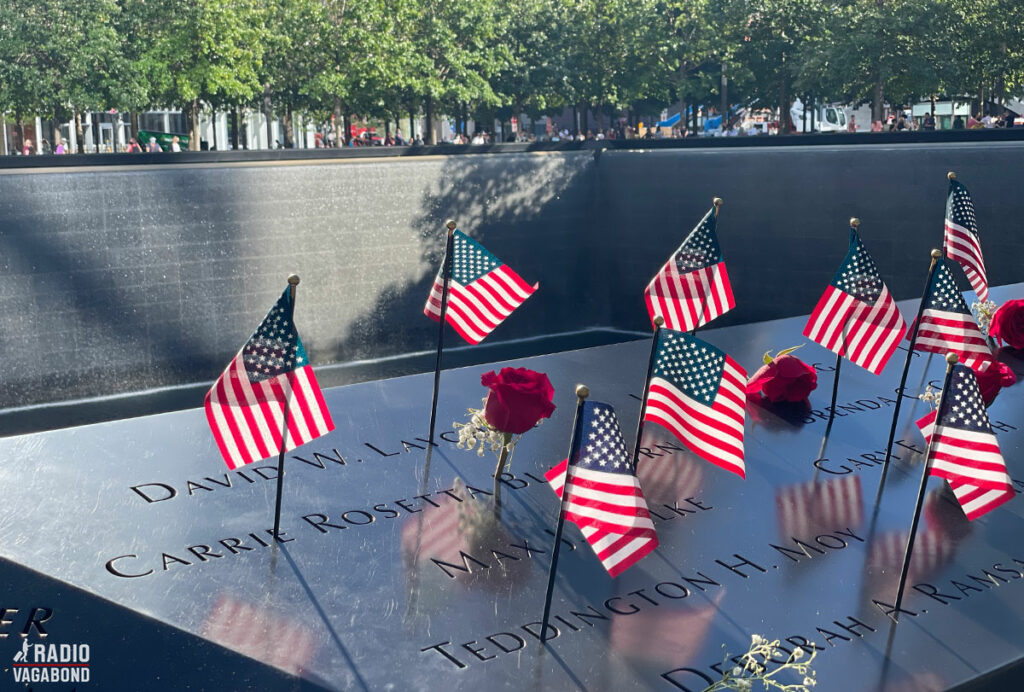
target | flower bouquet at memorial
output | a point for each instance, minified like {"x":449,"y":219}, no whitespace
{"x":517,"y":401}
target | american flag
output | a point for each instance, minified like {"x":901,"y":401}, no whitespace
{"x":966,"y":452}
{"x":961,"y":238}
{"x":856,"y":317}
{"x":697,"y":394}
{"x":605,"y":499}
{"x":947,"y":324}
{"x":246,"y":405}
{"x":806,"y":509}
{"x":482,"y":291}
{"x":693,"y":287}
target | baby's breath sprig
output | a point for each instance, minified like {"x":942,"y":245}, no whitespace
{"x":930,"y":396}
{"x":753,"y":668}
{"x":478,"y":435}
{"x":983,"y":312}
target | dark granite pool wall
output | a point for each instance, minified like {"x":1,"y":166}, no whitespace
{"x":119,"y":278}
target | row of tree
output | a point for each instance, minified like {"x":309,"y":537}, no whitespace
{"x":389,"y":58}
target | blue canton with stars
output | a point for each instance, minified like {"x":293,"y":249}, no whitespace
{"x":693,"y":366}
{"x":601,"y":447}
{"x":471,"y":260}
{"x":858,"y":275}
{"x":960,"y":208}
{"x":962,"y":406}
{"x":943,"y":293}
{"x":275,"y":347}
{"x":700,"y":249}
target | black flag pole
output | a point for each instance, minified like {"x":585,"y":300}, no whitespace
{"x":936,"y":256}
{"x":951,"y":361}
{"x":717,"y":204}
{"x":293,"y":281}
{"x":658,"y":322}
{"x":950,"y":176}
{"x":446,"y":276}
{"x":582,"y":392}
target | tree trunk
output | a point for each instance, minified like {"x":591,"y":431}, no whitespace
{"x":96,"y":131}
{"x":725,"y":97}
{"x":133,"y":123}
{"x":268,"y":113}
{"x":431,"y":137}
{"x":348,"y":129}
{"x":877,"y":103}
{"x":339,"y":138}
{"x":412,"y":126}
{"x":193,"y":116}
{"x":79,"y":132}
{"x":287,"y":124}
{"x":234,"y":128}
{"x":784,"y":119}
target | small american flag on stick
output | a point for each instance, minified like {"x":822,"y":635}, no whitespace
{"x":965,"y":451}
{"x":697,"y":393}
{"x":947,"y":324}
{"x":693,"y":287}
{"x":604,"y":496}
{"x":269,"y":379}
{"x":482,"y":291}
{"x":856,"y":317}
{"x":961,"y":237}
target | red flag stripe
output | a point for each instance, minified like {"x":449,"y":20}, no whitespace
{"x":865,"y":334}
{"x":964,"y":247}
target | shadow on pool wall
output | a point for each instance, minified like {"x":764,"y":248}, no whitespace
{"x":120,"y":279}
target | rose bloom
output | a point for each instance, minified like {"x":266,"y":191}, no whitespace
{"x":1008,"y":324}
{"x":518,"y":399}
{"x":992,"y":377}
{"x":787,"y":378}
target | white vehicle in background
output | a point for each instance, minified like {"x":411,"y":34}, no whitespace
{"x":827,"y":118}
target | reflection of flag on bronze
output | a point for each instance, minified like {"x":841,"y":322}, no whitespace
{"x":246,"y":406}
{"x":809,"y":508}
{"x":697,"y":393}
{"x":482,"y":291}
{"x":604,"y":496}
{"x":670,"y":478}
{"x":693,"y":287}
{"x":681,"y":634}
{"x":856,"y":317}
{"x":947,"y":324}
{"x":965,"y":451}
{"x":961,"y":238}
{"x":256,"y":632}
{"x":439,"y":532}
{"x":933,"y":549}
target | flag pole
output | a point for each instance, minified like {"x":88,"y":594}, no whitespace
{"x":582,"y":392}
{"x":658,"y":322}
{"x":446,"y":275}
{"x":950,"y":176}
{"x":293,"y":281}
{"x":951,"y":361}
{"x":717,"y":204}
{"x":936,"y":256}
{"x":854,"y":224}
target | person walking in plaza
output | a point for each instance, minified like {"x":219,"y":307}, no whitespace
{"x":59,"y":147}
{"x":26,"y":149}
{"x":153,"y":147}
{"x":852,"y":125}
{"x":133,"y":146}
{"x":175,"y":144}
{"x":928,"y":125}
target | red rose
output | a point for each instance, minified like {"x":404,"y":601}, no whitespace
{"x":992,"y":377}
{"x":517,"y":400}
{"x":1008,"y":324}
{"x":787,"y":378}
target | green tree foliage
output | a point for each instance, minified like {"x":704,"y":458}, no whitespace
{"x":390,"y":58}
